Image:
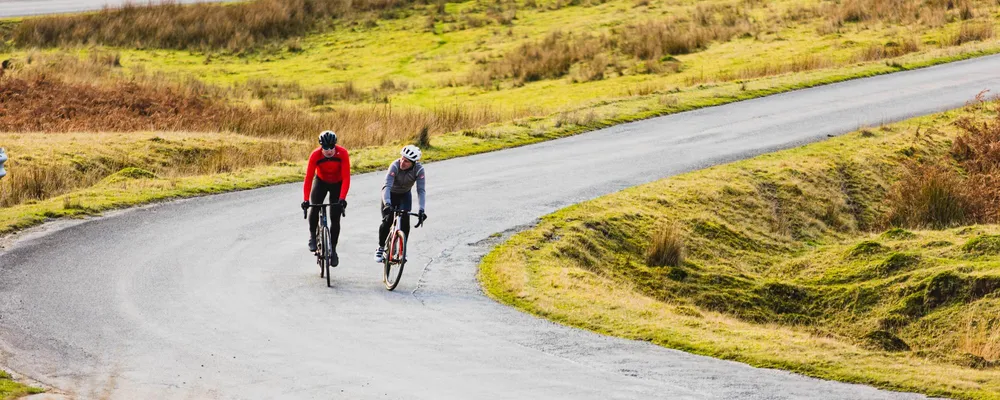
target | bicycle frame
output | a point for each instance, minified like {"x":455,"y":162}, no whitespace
{"x":322,"y":237}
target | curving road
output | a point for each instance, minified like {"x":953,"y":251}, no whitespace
{"x":21,"y":8}
{"x":217,"y":297}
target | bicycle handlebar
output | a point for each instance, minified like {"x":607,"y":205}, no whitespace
{"x":305,"y":213}
{"x":401,"y":211}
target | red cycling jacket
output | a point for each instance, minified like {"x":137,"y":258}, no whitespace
{"x":336,"y":169}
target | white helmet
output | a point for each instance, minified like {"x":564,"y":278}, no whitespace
{"x":411,"y":153}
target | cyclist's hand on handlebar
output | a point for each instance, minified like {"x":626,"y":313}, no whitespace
{"x":422,"y":216}
{"x":343,"y":204}
{"x":305,"y":205}
{"x":386,"y":208}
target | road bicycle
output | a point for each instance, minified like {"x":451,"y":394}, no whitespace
{"x":395,"y":249}
{"x":324,"y":240}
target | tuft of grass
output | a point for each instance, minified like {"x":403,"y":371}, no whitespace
{"x":972,"y":32}
{"x":423,"y":138}
{"x":666,"y":248}
{"x":929,"y":195}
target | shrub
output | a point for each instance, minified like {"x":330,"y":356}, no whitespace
{"x":928,"y":195}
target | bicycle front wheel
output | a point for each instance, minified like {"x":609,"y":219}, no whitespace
{"x":320,"y":255}
{"x":327,"y":254}
{"x":395,"y":259}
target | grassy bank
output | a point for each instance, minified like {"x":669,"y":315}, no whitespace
{"x":10,"y":390}
{"x":787,"y":260}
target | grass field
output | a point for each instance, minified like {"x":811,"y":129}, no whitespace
{"x":475,"y":75}
{"x":793,"y":260}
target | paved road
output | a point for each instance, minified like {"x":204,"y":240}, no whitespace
{"x":19,"y":8}
{"x":217,"y":297}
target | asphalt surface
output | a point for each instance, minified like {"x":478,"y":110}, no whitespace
{"x":217,"y":297}
{"x":20,"y":8}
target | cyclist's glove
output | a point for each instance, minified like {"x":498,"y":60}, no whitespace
{"x":422,"y":216}
{"x":386,"y":208}
{"x":305,"y":205}
{"x":343,"y":204}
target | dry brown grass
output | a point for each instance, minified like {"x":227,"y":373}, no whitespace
{"x":971,"y":32}
{"x":981,"y":337}
{"x":929,"y":13}
{"x":928,"y":195}
{"x":201,"y":26}
{"x":548,"y":58}
{"x":805,"y":63}
{"x":961,"y":188}
{"x":651,"y":40}
{"x":892,"y":49}
{"x":666,"y":247}
{"x":893,"y":11}
{"x":58,"y":93}
{"x":46,"y":107}
{"x":77,"y":161}
{"x":49,"y":98}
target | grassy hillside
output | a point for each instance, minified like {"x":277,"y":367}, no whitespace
{"x":791,"y":260}
{"x":475,"y":76}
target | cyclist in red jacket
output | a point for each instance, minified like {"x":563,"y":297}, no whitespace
{"x":328,"y":171}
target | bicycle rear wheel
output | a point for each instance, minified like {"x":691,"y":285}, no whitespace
{"x":327,"y":254}
{"x":395,"y":259}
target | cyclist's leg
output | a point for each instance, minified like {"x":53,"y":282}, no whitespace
{"x":383,"y":229}
{"x":318,"y":194}
{"x":334,"y":190}
{"x":405,"y":201}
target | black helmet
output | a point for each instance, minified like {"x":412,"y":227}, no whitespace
{"x":327,"y":140}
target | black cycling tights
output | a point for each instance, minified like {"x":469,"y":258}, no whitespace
{"x":402,"y":200}
{"x":318,"y":196}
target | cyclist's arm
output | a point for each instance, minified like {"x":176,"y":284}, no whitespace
{"x":390,"y":178}
{"x":421,"y":193}
{"x":345,"y":173}
{"x":310,"y":173}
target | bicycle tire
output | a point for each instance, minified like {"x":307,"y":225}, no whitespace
{"x":395,"y":260}
{"x":327,"y":254}
{"x":319,"y":253}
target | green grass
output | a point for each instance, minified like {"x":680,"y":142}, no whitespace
{"x":784,"y":268}
{"x":10,"y":389}
{"x":404,"y":50}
